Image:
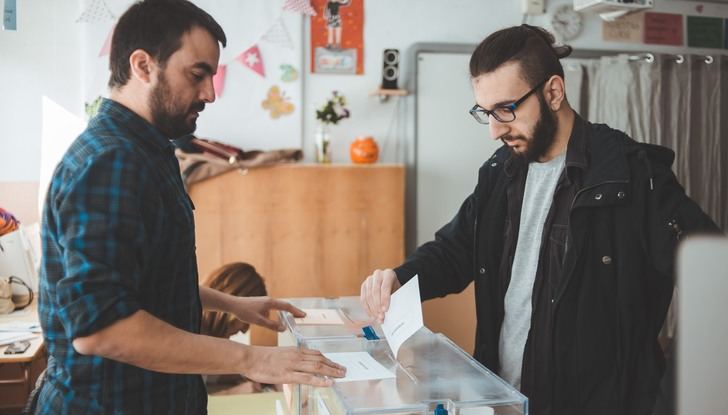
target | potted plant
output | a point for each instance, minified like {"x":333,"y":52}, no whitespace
{"x":333,"y":111}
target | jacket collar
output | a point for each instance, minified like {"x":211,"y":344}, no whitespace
{"x":587,"y":140}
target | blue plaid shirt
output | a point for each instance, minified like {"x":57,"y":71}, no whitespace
{"x":118,"y":237}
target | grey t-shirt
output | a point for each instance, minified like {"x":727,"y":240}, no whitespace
{"x":537,"y":198}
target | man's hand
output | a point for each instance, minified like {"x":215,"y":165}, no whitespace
{"x":256,"y":310}
{"x":376,"y":291}
{"x":274,"y":365}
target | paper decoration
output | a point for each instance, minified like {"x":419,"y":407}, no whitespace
{"x":97,"y":11}
{"x":10,"y":15}
{"x":106,"y":48}
{"x":629,"y":29}
{"x":705,"y":32}
{"x":290,"y":74}
{"x":664,"y":29}
{"x":252,"y":59}
{"x":337,"y":37}
{"x":300,"y":6}
{"x":218,"y":81}
{"x":278,"y":34}
{"x":277,"y":103}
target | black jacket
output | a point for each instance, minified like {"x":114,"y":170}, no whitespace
{"x":596,"y":351}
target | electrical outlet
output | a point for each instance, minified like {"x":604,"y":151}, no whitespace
{"x":533,"y":7}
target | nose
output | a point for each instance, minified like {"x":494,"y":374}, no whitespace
{"x":207,"y":94}
{"x":497,"y":128}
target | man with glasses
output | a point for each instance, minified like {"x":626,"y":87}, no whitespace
{"x":569,"y":238}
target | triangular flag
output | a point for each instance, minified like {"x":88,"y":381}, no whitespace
{"x":252,"y":59}
{"x":97,"y":11}
{"x":278,"y":34}
{"x":218,"y":81}
{"x":106,"y":49}
{"x":300,"y":6}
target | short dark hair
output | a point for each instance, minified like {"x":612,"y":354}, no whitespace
{"x":531,"y":46}
{"x":155,"y":26}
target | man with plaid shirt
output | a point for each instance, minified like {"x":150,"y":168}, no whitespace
{"x":120,"y":304}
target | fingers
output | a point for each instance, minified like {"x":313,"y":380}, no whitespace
{"x":282,"y":305}
{"x":321,"y":367}
{"x":388,"y":280}
{"x":375,"y":294}
{"x":315,"y":355}
{"x":307,"y":379}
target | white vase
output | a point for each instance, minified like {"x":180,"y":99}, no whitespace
{"x":322,"y":139}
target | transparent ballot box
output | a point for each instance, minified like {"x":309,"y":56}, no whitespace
{"x":430,"y":376}
{"x":342,"y":317}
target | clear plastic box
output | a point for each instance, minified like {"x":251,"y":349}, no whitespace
{"x":349,"y":308}
{"x":431,"y":372}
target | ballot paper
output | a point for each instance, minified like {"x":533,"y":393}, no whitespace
{"x":30,"y":327}
{"x":404,"y":316}
{"x":320,"y":316}
{"x":8,"y":337}
{"x":359,"y":366}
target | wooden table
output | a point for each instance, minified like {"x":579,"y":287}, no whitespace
{"x":18,"y":372}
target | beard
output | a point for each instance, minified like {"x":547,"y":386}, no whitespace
{"x":543,"y":136}
{"x":168,"y":115}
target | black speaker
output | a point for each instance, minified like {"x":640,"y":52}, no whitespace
{"x":390,"y":68}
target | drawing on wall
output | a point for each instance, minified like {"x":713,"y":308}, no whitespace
{"x":337,"y":40}
{"x":277,"y":103}
{"x":290,"y":74}
{"x":261,"y":37}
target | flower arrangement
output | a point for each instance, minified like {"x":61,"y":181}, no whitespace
{"x":334,"y":110}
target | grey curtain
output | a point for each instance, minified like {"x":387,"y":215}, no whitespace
{"x":677,"y":102}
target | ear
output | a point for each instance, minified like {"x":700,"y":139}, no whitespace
{"x":555,"y":92}
{"x":141,"y":65}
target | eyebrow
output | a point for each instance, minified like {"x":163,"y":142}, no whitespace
{"x":504,"y":103}
{"x":205,"y":67}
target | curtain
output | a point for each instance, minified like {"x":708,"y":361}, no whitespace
{"x":680,"y":102}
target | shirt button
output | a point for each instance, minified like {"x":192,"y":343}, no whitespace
{"x":493,"y":164}
{"x":621,"y":195}
{"x":482,"y":270}
{"x":606,"y":260}
{"x":598,"y":196}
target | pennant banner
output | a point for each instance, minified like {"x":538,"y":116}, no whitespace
{"x":218,"y":81}
{"x":252,"y":59}
{"x":300,"y":6}
{"x":278,"y":34}
{"x":106,"y":48}
{"x":97,"y":11}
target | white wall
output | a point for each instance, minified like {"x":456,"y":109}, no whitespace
{"x":41,"y":58}
{"x":399,"y":24}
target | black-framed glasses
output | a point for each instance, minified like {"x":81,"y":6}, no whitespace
{"x":503,"y":113}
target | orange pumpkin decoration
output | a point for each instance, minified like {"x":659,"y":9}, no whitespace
{"x":364,"y":150}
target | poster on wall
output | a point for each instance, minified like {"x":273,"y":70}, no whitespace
{"x":628,"y":29}
{"x":705,"y":32}
{"x":264,"y":52}
{"x":664,"y":29}
{"x":337,"y":37}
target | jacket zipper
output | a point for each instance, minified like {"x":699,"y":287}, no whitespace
{"x":566,"y":248}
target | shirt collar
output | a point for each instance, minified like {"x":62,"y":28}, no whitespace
{"x":142,"y":130}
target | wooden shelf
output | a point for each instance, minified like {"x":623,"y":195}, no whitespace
{"x":384,"y":94}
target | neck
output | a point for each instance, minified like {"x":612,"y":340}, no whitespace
{"x":136,"y":101}
{"x":565,"y":123}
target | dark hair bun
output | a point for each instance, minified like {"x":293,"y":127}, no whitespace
{"x":562,"y":51}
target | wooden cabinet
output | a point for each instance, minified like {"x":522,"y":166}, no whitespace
{"x":309,"y":230}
